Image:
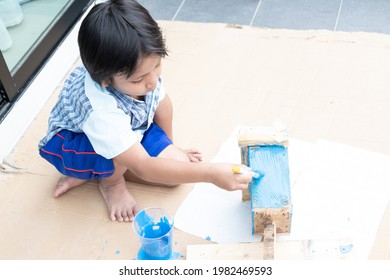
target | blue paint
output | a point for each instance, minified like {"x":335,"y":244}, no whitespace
{"x":175,"y":255}
{"x":142,"y":255}
{"x":208,"y":238}
{"x":272,"y":189}
{"x":154,"y":229}
{"x":256,"y":180}
{"x":117,"y":252}
{"x":344,"y":249}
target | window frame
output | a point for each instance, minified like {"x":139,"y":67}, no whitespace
{"x":14,"y":82}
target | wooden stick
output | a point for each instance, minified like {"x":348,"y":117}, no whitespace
{"x":269,"y":242}
{"x":311,"y":249}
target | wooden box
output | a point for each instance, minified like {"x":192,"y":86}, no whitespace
{"x":265,"y":150}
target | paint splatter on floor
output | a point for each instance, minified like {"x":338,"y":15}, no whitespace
{"x":346,"y":248}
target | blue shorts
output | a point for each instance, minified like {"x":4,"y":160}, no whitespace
{"x":72,"y":153}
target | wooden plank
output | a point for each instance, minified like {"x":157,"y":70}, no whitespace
{"x":270,"y":195}
{"x":332,"y":249}
{"x":279,"y":216}
{"x":269,"y":242}
{"x":245,"y":195}
{"x":272,"y":190}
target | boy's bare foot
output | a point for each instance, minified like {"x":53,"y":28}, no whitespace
{"x":66,"y":183}
{"x":121,"y":204}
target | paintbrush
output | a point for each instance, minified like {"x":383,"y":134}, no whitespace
{"x":239,"y":170}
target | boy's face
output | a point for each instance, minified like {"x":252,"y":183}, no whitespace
{"x":143,"y":80}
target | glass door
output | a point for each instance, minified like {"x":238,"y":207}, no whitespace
{"x":30,"y":31}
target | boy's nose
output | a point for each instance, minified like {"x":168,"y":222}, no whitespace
{"x":151,"y":83}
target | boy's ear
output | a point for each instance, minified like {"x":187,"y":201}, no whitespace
{"x":104,"y":84}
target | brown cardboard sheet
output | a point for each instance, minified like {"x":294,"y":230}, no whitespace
{"x":321,"y":84}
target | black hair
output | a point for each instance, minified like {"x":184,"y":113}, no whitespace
{"x":115,"y":36}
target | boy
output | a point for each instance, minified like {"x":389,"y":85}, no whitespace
{"x":113,"y":120}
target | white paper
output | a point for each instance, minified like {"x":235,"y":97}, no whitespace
{"x":337,"y":191}
{"x":342,"y":193}
{"x":220,"y":216}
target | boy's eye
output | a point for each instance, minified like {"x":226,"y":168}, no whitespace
{"x":136,"y":82}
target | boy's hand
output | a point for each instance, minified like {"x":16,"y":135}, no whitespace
{"x":194,"y":155}
{"x":221,"y":174}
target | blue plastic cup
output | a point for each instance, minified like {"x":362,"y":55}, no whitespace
{"x":153,"y":227}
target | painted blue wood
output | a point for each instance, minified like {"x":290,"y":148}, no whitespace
{"x":272,"y":189}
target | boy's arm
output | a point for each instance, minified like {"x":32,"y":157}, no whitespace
{"x":162,"y":170}
{"x":163,"y":116}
